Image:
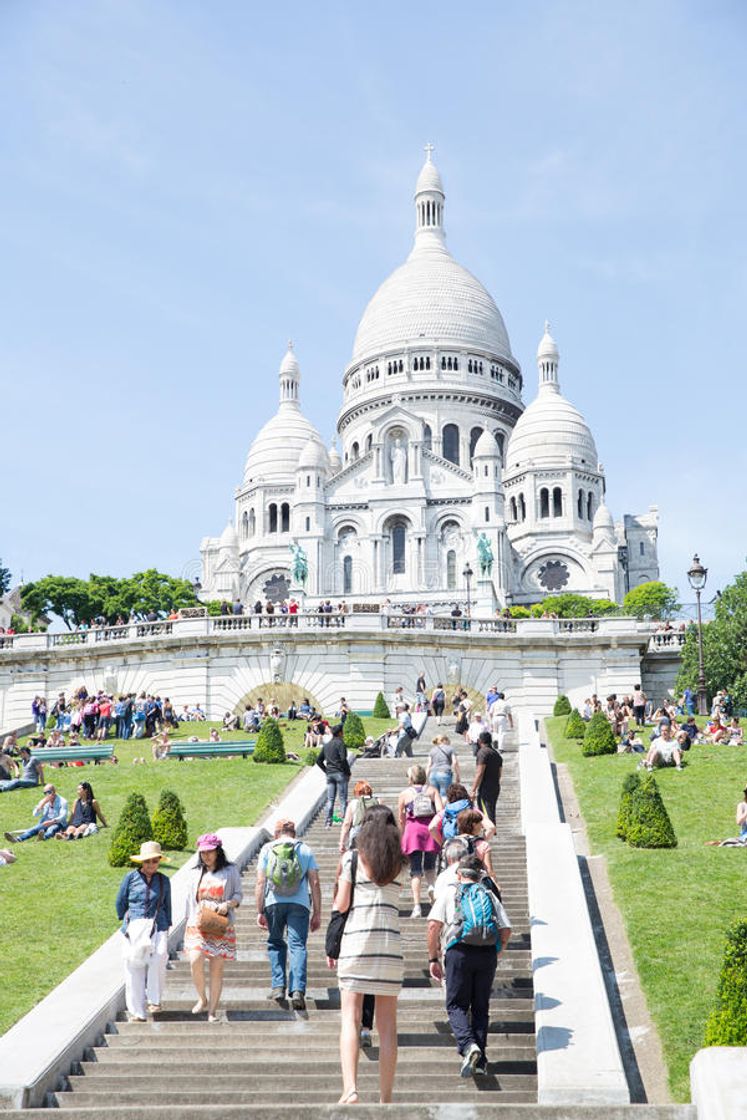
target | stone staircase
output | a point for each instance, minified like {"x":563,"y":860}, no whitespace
{"x":261,"y":1054}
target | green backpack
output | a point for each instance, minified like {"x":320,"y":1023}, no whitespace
{"x":284,"y":870}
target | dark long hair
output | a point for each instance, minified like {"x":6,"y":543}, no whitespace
{"x":221,"y":860}
{"x":87,"y":787}
{"x":378,"y":843}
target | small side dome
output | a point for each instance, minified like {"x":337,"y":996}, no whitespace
{"x":603,"y":518}
{"x":228,"y":538}
{"x":313,"y":457}
{"x":335,"y":462}
{"x":486,"y":447}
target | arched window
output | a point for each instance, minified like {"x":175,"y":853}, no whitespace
{"x":469,"y":366}
{"x":581,"y":504}
{"x":399,"y":548}
{"x":245,"y":524}
{"x":354,"y":451}
{"x":473,"y":438}
{"x":487,"y":513}
{"x":427,"y":363}
{"x":252,"y":523}
{"x":285,"y":518}
{"x":557,"y":502}
{"x":642,"y":548}
{"x":522,"y":508}
{"x":427,"y":437}
{"x":450,"y":443}
{"x":451,"y":576}
{"x":347,"y":575}
{"x":443,"y":363}
{"x":308,"y":524}
{"x":369,"y":442}
{"x":273,"y":518}
{"x":308,"y":480}
{"x":544,"y":502}
{"x":514,"y":513}
{"x":590,"y":505}
{"x":456,"y":364}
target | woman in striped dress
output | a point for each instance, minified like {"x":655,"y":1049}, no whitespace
{"x":371,"y":958}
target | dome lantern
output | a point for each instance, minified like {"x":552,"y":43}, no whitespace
{"x":429,"y":199}
{"x":290,"y":377}
{"x":548,"y":359}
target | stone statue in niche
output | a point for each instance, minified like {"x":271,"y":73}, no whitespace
{"x":398,"y":459}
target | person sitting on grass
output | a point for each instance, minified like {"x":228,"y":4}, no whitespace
{"x":52,"y":814}
{"x":664,"y":750}
{"x":630,"y":743}
{"x":214,"y":735}
{"x":32,"y":773}
{"x":736,"y":734}
{"x":692,"y":730}
{"x":230,"y":722}
{"x":739,"y":841}
{"x":7,"y":857}
{"x":86,"y":810}
{"x":161,"y":745}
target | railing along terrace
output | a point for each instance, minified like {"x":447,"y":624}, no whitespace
{"x":667,"y":639}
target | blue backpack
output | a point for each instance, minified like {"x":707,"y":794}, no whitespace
{"x":474,"y":917}
{"x":449,"y":827}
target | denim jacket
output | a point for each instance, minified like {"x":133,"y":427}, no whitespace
{"x":137,"y":898}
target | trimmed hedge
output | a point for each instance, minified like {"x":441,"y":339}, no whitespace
{"x":270,"y":746}
{"x":311,"y":754}
{"x":648,"y":824}
{"x":169,"y":822}
{"x":599,"y":738}
{"x":562,"y":706}
{"x":133,"y":829}
{"x":353,"y":732}
{"x":629,"y":786}
{"x":727,"y":1025}
{"x":380,"y":708}
{"x":575,"y":727}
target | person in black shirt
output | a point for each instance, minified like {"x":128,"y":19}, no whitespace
{"x":334,"y":762}
{"x":487,"y":781}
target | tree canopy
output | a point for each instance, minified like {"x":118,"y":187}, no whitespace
{"x":570,"y":605}
{"x":654,"y":599}
{"x":78,"y":600}
{"x":5,"y":580}
{"x":724,"y":646}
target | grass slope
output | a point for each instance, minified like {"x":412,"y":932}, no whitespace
{"x":57,"y":900}
{"x":676,"y":903}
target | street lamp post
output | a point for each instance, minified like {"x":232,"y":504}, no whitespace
{"x":697,"y":577}
{"x":468,"y":574}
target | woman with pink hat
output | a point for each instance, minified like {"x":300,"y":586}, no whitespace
{"x":213,"y":894}
{"x":144,"y":908}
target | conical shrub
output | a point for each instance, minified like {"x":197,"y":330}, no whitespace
{"x":648,"y":823}
{"x":353,"y":733}
{"x":599,"y":738}
{"x":380,"y":708}
{"x":575,"y":728}
{"x":562,"y":706}
{"x":169,"y":822}
{"x":270,"y":747}
{"x":727,"y":1025}
{"x":133,"y":829}
{"x":629,"y":786}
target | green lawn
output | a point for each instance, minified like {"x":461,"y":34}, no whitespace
{"x":57,"y":900}
{"x":676,"y":904}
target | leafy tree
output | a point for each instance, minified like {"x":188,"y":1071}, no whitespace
{"x":724,"y":646}
{"x":562,"y":706}
{"x":570,"y":605}
{"x":727,"y":1025}
{"x":270,"y":747}
{"x":169,"y":822}
{"x":354,"y":733}
{"x":380,"y":708}
{"x":575,"y":728}
{"x":5,"y":580}
{"x":67,"y":597}
{"x":519,"y":612}
{"x":654,"y":599}
{"x":77,"y":600}
{"x":599,"y":738}
{"x":648,"y":824}
{"x":629,"y":786}
{"x":133,"y":829}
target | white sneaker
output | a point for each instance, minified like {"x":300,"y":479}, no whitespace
{"x":416,"y":912}
{"x":431,"y":892}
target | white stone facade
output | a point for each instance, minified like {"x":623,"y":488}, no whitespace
{"x":436,"y":449}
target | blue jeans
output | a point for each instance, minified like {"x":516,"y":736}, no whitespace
{"x":441,"y":780}
{"x":295,"y":918}
{"x":337,"y":786}
{"x":47,"y":830}
{"x":17,"y":783}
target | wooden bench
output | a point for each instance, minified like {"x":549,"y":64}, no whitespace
{"x":73,"y":754}
{"x":244,"y":747}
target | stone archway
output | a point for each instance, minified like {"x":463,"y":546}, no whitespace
{"x":283,"y":693}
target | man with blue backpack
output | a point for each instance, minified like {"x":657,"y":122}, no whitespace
{"x":474,"y":928}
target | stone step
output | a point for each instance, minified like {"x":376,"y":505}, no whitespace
{"x":500,"y":1107}
{"x":272,"y":1019}
{"x":456,"y":1090}
{"x":316,"y":1060}
{"x":315,"y":1033}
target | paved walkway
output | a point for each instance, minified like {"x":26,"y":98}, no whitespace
{"x":261,"y":1054}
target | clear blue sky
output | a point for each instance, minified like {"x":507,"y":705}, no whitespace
{"x":185,"y":185}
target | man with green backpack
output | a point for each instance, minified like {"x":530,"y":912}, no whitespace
{"x":289,"y":904}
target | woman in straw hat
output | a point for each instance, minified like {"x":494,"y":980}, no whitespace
{"x":215,"y":884}
{"x":144,"y":907}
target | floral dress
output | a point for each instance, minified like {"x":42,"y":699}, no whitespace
{"x":211,"y":888}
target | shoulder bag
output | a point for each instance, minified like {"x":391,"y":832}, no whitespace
{"x":337,"y":920}
{"x":209,"y":922}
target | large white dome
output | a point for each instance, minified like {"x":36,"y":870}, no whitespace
{"x":431,"y":299}
{"x":549,"y":430}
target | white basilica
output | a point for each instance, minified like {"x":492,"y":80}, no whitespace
{"x":440,"y":464}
